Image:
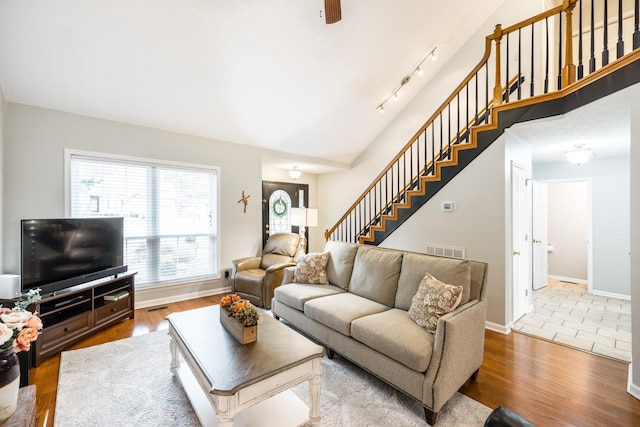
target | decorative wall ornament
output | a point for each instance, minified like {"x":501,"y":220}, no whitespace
{"x":245,"y":201}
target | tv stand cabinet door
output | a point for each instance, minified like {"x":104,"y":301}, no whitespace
{"x":57,"y":337}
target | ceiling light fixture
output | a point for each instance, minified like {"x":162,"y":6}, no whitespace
{"x":417,"y":70}
{"x":295,"y":172}
{"x":580,"y":154}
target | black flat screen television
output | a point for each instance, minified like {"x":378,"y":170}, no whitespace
{"x":60,"y":253}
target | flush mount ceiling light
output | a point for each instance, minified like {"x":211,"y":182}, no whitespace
{"x":579,"y":155}
{"x":295,"y":172}
{"x":406,"y":79}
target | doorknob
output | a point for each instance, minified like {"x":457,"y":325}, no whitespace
{"x":516,"y":252}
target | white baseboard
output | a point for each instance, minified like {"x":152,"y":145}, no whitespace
{"x":506,"y":330}
{"x":612,"y":295}
{"x":632,"y":389}
{"x":145,"y":297}
{"x":568,"y":279}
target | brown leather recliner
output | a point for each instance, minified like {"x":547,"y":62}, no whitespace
{"x":255,"y":278}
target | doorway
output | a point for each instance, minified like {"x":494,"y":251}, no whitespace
{"x":277,"y":200}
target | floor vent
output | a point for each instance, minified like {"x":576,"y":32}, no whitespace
{"x":157,"y":309}
{"x":446,"y":251}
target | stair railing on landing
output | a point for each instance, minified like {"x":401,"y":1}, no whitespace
{"x":543,"y":58}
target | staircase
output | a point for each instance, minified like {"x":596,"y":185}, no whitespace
{"x":556,"y":71}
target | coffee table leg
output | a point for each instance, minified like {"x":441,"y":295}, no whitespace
{"x":225,"y":410}
{"x":314,"y":390}
{"x":175,"y":356}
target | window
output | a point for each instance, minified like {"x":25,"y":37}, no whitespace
{"x":169,"y":210}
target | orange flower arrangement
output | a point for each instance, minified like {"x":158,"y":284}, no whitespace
{"x":240,"y":309}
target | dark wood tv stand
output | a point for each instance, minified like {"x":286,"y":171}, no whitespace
{"x":71,"y":314}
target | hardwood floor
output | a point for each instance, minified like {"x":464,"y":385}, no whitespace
{"x":547,"y":383}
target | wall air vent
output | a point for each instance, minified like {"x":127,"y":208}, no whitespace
{"x":446,"y":251}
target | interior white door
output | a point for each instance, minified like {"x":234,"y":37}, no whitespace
{"x":520,"y":247}
{"x":540,"y":266}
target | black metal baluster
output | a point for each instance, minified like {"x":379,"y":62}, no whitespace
{"x":468,"y":125}
{"x":397,"y":198}
{"x":531,"y":93}
{"x":560,"y":53}
{"x":506,"y":77}
{"x":546,"y":67}
{"x":433,"y":149}
{"x":620,"y":45}
{"x":458,"y":119}
{"x":592,"y":58}
{"x":486,"y":92}
{"x":426,"y":149}
{"x":441,"y":132}
{"x":476,"y":116}
{"x":449,"y":131}
{"x":580,"y":65}
{"x":605,"y":38}
{"x":519,"y":86}
{"x":636,"y":32}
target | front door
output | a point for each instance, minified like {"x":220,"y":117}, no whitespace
{"x":277,"y":200}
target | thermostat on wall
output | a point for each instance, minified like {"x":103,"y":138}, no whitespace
{"x":448,"y":206}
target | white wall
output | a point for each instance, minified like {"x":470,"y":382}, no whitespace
{"x":2,"y":131}
{"x":634,"y":369}
{"x":567,"y":230}
{"x":35,"y":139}
{"x":477,"y":223}
{"x":610,"y":189}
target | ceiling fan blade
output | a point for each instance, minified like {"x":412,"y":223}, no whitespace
{"x":332,"y":11}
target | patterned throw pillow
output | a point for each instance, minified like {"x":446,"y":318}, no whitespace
{"x":433,"y":299}
{"x":312,"y":269}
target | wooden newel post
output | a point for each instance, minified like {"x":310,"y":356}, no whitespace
{"x":569,"y":70}
{"x":497,"y":89}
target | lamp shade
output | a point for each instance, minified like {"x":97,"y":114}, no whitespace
{"x":303,"y":217}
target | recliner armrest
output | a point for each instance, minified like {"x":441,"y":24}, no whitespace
{"x":273,"y":279}
{"x":246,"y":263}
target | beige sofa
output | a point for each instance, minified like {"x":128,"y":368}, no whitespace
{"x":362,"y":314}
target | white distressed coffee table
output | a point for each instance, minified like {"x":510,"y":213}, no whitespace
{"x":248,"y":384}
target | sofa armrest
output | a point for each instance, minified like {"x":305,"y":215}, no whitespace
{"x":457,"y":352}
{"x":289,"y":274}
{"x":273,"y":279}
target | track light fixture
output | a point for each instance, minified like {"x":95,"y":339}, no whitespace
{"x":417,"y":70}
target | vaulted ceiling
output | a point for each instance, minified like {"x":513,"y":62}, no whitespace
{"x":266,"y":73}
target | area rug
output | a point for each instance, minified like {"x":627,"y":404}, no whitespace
{"x":129,"y":383}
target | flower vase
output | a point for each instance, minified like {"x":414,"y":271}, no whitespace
{"x":9,"y":383}
{"x":244,"y":334}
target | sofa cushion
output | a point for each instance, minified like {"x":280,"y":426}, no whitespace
{"x":375,"y":274}
{"x":340,"y":263}
{"x":295,"y":295}
{"x":339,"y":310}
{"x":448,"y":270}
{"x":433,"y":300}
{"x":394,"y":334}
{"x":312,"y":269}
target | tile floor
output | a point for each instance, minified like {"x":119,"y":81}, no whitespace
{"x":566,"y":313}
